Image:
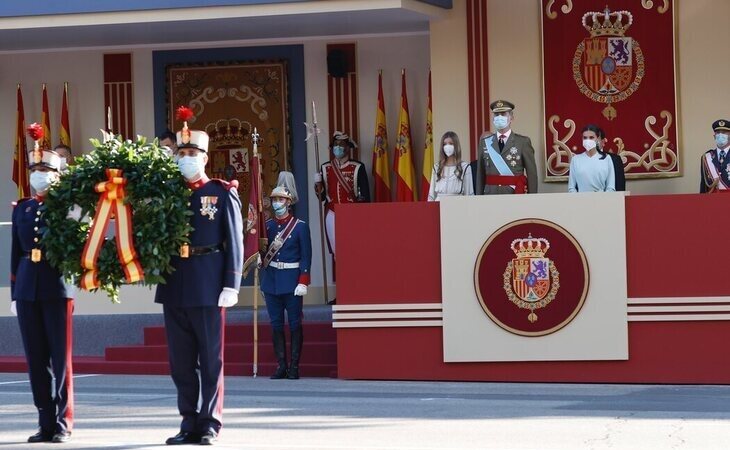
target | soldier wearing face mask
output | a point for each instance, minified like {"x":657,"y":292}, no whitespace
{"x":205,"y":281}
{"x":341,"y":180}
{"x":450,"y":175}
{"x":506,"y":160}
{"x":285,"y":277}
{"x":40,"y":301}
{"x":715,"y":164}
{"x":64,"y":151}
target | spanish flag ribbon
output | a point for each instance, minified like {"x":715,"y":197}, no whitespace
{"x":111,"y":205}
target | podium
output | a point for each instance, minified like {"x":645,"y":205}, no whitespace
{"x":398,"y":284}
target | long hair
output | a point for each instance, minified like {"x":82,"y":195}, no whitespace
{"x":442,"y":156}
{"x":599,"y":134}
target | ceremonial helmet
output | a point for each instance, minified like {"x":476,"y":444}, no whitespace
{"x":187,"y":138}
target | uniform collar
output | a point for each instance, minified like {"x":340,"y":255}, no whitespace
{"x":39,"y":198}
{"x":199,"y":183}
{"x":284,"y":220}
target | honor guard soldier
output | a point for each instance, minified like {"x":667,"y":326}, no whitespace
{"x":341,"y":180}
{"x":286,"y":265}
{"x":40,"y":301}
{"x":506,"y":160}
{"x":715,"y":164}
{"x":205,"y":281}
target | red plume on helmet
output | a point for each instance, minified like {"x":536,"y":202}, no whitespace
{"x":35,"y":131}
{"x":184,"y":113}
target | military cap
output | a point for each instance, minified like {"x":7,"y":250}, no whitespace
{"x":501,"y":106}
{"x":45,"y":158}
{"x":721,"y":125}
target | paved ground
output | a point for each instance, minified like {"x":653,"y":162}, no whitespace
{"x":138,"y":412}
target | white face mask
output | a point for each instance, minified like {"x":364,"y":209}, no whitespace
{"x":589,"y":144}
{"x":448,"y":149}
{"x":41,"y":181}
{"x":191,"y":166}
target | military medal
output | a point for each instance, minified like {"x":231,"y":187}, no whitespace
{"x":35,"y":255}
{"x":207,"y":207}
{"x":185,"y":251}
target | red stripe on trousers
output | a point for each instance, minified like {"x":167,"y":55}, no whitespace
{"x":69,"y":416}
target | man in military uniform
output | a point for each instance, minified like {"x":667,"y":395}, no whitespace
{"x":286,"y":265}
{"x":341,"y":180}
{"x":506,"y":160}
{"x":44,"y":311}
{"x":205,"y":281}
{"x":715,"y":164}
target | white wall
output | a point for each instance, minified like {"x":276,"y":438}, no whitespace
{"x":83,"y":69}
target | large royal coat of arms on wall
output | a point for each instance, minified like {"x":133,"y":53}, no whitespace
{"x":612,"y":66}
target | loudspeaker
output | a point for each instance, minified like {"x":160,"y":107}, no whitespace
{"x":337,"y":63}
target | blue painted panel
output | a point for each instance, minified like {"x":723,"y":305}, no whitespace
{"x":50,"y":7}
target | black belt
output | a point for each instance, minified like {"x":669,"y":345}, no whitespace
{"x":197,"y":251}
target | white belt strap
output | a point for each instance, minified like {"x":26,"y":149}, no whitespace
{"x":283,"y":265}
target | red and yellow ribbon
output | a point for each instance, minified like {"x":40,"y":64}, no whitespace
{"x":111,"y":205}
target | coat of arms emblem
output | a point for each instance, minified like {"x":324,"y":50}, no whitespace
{"x":603,"y":64}
{"x":531,"y":280}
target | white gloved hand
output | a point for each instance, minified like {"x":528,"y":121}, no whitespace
{"x":300,"y":290}
{"x":318,"y":177}
{"x":70,"y":290}
{"x":74,"y":213}
{"x":228,"y":297}
{"x":13,"y":308}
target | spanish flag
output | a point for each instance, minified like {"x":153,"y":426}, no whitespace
{"x":20,"y":156}
{"x":405,"y":174}
{"x":46,"y":122}
{"x":428,"y":149}
{"x":65,"y":129}
{"x":381,"y":168}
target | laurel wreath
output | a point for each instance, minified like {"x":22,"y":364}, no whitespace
{"x":157,"y":193}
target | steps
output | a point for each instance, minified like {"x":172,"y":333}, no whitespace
{"x":319,"y":354}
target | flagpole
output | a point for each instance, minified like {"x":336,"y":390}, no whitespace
{"x":315,"y":132}
{"x":259,"y":209}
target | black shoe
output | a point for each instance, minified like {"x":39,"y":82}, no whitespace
{"x":209,"y":437}
{"x":41,"y":436}
{"x":280,"y":373}
{"x":293,"y":373}
{"x":61,"y":436}
{"x":184,"y":437}
{"x":332,"y":302}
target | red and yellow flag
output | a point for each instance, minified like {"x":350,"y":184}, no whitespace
{"x":46,"y":121}
{"x":255,"y":226}
{"x":65,"y":133}
{"x":20,"y":155}
{"x":381,"y":168}
{"x":428,"y":148}
{"x":405,"y":174}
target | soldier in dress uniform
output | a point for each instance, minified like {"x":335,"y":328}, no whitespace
{"x":506,"y":160}
{"x":44,"y":311}
{"x":341,"y":180}
{"x":715,"y":164}
{"x":205,"y":281}
{"x":286,"y":265}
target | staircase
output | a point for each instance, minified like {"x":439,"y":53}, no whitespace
{"x":319,"y":353}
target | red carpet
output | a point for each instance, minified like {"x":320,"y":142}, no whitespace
{"x":319,"y":355}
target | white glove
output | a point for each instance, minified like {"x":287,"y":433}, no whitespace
{"x":70,"y":290}
{"x":13,"y":308}
{"x":300,"y":290}
{"x":74,"y":213}
{"x":228,"y":297}
{"x":318,"y":177}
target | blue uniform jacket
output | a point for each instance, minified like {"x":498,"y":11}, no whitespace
{"x":297,"y":248}
{"x":199,"y":279}
{"x":31,"y":281}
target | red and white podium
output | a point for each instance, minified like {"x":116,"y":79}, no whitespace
{"x":390,"y":317}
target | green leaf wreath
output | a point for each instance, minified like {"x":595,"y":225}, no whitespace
{"x":157,"y":193}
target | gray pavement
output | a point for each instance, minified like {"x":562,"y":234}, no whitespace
{"x":138,"y":412}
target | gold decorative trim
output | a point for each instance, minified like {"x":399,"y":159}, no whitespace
{"x":657,"y":156}
{"x":649,"y":4}
{"x":558,"y":163}
{"x":566,"y":8}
